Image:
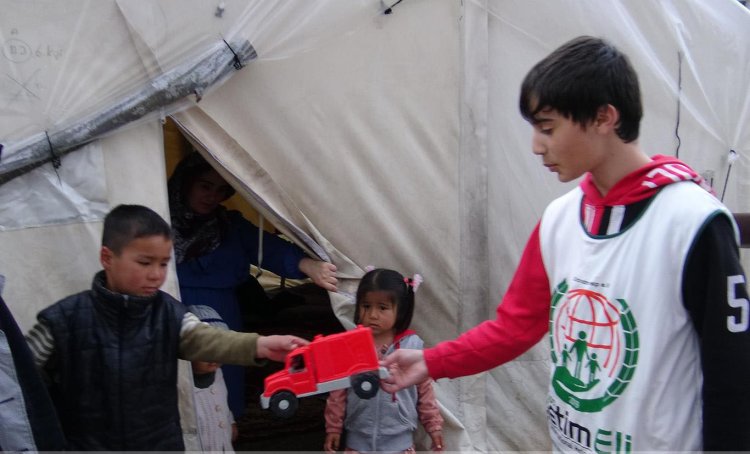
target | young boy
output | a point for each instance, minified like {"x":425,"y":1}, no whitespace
{"x":216,"y":425}
{"x":111,"y":352}
{"x":634,"y":275}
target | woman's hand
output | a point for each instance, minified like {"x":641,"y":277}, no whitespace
{"x":277,"y":347}
{"x":322,"y":273}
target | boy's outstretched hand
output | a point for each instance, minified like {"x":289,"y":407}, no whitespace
{"x":406,"y":367}
{"x":277,"y":347}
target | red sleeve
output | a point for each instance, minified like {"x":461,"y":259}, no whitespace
{"x":335,"y":411}
{"x":427,"y":408}
{"x":522,"y":319}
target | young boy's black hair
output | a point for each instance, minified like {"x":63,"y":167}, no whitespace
{"x":126,"y":223}
{"x":385,"y":280}
{"x":579,"y":78}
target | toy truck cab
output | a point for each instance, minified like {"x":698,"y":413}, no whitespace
{"x":328,"y":363}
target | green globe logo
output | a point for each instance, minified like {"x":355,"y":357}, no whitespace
{"x":594,"y":347}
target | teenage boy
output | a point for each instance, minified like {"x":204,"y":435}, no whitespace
{"x":111,"y":352}
{"x":634,"y":276}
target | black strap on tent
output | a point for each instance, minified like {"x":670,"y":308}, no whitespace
{"x":389,"y":10}
{"x":56,"y":161}
{"x":237,"y":62}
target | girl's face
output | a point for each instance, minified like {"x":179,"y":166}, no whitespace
{"x":378,"y":312}
{"x":207,"y":192}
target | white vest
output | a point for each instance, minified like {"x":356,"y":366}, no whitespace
{"x":626,"y":372}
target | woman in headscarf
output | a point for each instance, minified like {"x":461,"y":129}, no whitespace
{"x":214,"y":248}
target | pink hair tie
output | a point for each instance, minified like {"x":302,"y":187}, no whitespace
{"x":414,"y":281}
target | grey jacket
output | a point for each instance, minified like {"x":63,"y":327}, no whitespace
{"x":386,"y":422}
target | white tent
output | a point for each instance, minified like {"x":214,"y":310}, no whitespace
{"x":368,"y":138}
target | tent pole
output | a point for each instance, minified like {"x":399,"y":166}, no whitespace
{"x":191,"y":77}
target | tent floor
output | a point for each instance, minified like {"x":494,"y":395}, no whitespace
{"x":304,"y":311}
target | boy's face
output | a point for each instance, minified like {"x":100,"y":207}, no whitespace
{"x":141,"y":267}
{"x":566,"y":148}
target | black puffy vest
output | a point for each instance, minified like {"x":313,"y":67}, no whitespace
{"x":114,"y":370}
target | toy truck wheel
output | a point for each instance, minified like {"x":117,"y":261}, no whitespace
{"x":365,"y":385}
{"x":284,"y":404}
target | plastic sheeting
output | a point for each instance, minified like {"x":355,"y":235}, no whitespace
{"x":94,"y":67}
{"x":387,"y":140}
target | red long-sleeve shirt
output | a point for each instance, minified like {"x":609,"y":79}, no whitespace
{"x":522,"y":316}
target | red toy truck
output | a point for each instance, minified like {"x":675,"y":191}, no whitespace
{"x":327,"y":363}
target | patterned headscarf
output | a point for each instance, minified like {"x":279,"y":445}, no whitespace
{"x":194,"y":235}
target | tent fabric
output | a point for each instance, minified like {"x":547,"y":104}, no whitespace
{"x":369,"y":139}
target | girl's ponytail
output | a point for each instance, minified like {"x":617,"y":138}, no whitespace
{"x":414,"y":282}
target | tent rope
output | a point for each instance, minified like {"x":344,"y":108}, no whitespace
{"x":731,"y":158}
{"x":679,"y":95}
{"x":260,"y":245}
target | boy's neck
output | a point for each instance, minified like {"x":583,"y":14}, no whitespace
{"x":622,"y":159}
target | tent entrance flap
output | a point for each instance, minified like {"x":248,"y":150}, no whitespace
{"x":246,"y":176}
{"x":256,"y":186}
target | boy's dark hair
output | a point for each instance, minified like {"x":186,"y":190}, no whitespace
{"x":126,"y":223}
{"x":393,"y":282}
{"x":578,"y":78}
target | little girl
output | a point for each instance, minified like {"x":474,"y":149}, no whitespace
{"x":386,"y":422}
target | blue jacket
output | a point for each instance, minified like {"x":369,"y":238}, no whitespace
{"x":212,"y":279}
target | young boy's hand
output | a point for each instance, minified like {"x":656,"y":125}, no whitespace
{"x":277,"y":347}
{"x":437,"y":441}
{"x":331,"y":444}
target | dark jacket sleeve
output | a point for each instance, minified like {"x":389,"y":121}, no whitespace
{"x":715,"y":294}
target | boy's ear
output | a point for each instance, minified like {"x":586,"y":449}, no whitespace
{"x":105,"y":257}
{"x":607,"y":118}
